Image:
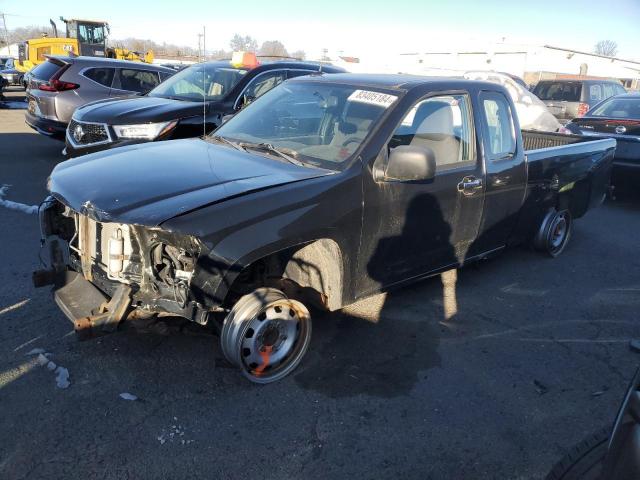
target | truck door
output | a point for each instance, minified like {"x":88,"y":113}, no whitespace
{"x":506,"y":171}
{"x":411,"y":228}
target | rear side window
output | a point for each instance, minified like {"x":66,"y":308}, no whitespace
{"x":559,"y":91}
{"x":103,"y":76}
{"x":45,"y":70}
{"x":442,"y":124}
{"x":595,"y":93}
{"x":138,"y":80}
{"x":497,"y":114}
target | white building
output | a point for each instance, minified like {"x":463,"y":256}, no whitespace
{"x":531,"y":63}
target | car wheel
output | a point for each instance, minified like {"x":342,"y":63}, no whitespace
{"x":266,"y":334}
{"x":584,"y":461}
{"x":554,"y":232}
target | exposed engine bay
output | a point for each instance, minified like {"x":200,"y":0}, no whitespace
{"x":148,"y":268}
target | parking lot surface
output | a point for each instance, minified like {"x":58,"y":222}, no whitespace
{"x":536,"y":358}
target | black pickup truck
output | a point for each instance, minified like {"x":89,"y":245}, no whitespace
{"x":324,"y":191}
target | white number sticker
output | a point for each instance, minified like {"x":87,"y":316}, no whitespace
{"x":373,"y":98}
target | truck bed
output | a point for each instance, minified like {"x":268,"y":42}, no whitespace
{"x":578,"y":166}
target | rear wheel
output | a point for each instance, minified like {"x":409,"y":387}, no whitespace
{"x":555,"y":232}
{"x":584,"y":461}
{"x":266,"y":335}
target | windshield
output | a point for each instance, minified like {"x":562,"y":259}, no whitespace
{"x":212,"y":82}
{"x":318,"y":124}
{"x":618,"y":108}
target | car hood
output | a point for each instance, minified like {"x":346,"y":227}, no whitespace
{"x":150,"y":183}
{"x":137,"y":109}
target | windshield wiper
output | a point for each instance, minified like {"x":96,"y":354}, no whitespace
{"x":270,"y":148}
{"x":237,"y":146}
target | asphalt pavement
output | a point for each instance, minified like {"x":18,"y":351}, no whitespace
{"x":536,"y":358}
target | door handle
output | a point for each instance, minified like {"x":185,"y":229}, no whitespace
{"x":470,"y":185}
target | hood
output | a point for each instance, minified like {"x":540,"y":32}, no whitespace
{"x":150,"y":183}
{"x":137,"y":109}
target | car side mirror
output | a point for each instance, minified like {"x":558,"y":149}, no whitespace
{"x":410,"y":164}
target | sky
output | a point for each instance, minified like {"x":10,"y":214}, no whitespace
{"x":355,"y":27}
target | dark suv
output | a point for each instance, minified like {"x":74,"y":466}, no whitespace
{"x":567,"y":99}
{"x":190,"y":103}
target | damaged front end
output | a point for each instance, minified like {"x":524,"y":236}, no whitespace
{"x":107,"y":272}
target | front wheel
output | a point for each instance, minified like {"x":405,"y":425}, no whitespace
{"x":266,"y":334}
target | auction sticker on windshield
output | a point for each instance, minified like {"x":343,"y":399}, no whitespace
{"x":373,"y":98}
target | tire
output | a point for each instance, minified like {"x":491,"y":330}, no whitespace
{"x":266,"y":335}
{"x":554,"y":233}
{"x":584,"y":461}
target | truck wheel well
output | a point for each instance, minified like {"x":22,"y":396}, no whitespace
{"x":313,"y":271}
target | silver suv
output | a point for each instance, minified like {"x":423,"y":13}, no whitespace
{"x":61,"y":84}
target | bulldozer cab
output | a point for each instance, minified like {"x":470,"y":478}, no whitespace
{"x":91,"y":36}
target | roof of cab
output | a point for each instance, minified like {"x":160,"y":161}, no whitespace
{"x":285,"y":63}
{"x":395,"y":81}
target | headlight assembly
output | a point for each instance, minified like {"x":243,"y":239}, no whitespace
{"x":147,"y":131}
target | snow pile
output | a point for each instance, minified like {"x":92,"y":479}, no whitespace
{"x":21,"y":207}
{"x":42,"y":359}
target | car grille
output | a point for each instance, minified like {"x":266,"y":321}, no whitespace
{"x":85,"y":134}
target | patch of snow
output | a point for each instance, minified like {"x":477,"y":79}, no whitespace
{"x":62,"y":377}
{"x":20,"y":207}
{"x":35,"y":351}
{"x":128,"y":396}
{"x":42,"y":360}
{"x":51,"y":366}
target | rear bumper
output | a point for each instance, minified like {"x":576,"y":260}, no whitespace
{"x":45,"y":126}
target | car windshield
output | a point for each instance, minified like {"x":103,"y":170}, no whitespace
{"x":618,"y":108}
{"x":204,"y":81}
{"x":317,"y":124}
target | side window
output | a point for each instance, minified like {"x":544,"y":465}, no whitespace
{"x":497,"y":114}
{"x":264,"y":82}
{"x":442,"y":124}
{"x":103,"y":76}
{"x":138,"y":80}
{"x":595,"y":93}
{"x":164,"y":76}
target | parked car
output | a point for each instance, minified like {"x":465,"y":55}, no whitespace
{"x":177,"y":108}
{"x":568,"y":99}
{"x":616,"y":117}
{"x":612,"y":453}
{"x":9,"y":72}
{"x":61,"y":84}
{"x":325,"y":190}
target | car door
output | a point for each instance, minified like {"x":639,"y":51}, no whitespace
{"x":130,"y":81}
{"x":506,"y":171}
{"x":413,"y":228}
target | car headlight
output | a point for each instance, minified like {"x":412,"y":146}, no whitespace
{"x":147,"y":131}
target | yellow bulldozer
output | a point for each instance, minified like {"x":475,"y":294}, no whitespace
{"x":83,"y":37}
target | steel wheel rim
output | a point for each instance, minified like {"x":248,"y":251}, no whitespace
{"x":267,"y":341}
{"x":558,"y":231}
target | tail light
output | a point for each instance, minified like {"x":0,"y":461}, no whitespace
{"x":56,"y":85}
{"x":583,"y":108}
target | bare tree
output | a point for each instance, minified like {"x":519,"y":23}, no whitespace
{"x":243,"y":44}
{"x":299,"y":54}
{"x":20,"y":34}
{"x":608,"y":48}
{"x":273,"y":48}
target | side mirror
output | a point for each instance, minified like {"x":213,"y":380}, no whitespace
{"x":226,"y":118}
{"x":410,"y":164}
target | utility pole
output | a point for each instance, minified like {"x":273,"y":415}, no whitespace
{"x":204,"y":43}
{"x":6,"y":32}
{"x":200,"y":49}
